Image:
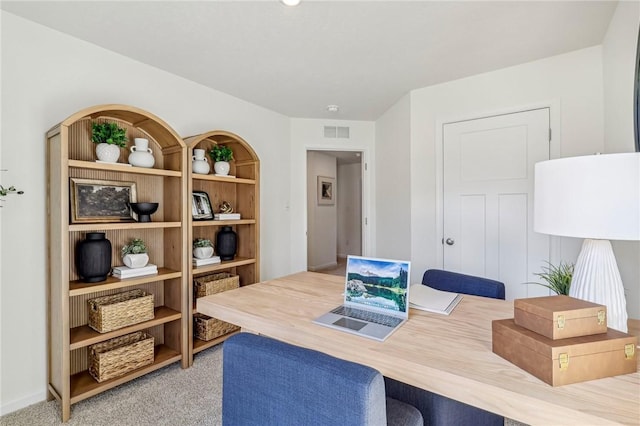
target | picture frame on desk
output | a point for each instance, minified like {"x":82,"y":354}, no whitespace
{"x":201,"y":206}
{"x":326,"y":191}
{"x":95,"y":200}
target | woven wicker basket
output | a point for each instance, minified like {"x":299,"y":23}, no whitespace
{"x":120,"y":310}
{"x":207,"y":328}
{"x":120,"y":355}
{"x":215,"y":283}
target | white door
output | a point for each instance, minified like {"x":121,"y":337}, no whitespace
{"x":488,"y":199}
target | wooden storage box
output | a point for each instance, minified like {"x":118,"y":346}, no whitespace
{"x":120,"y":310}
{"x":207,"y":328}
{"x":560,"y":317}
{"x":565,"y":361}
{"x":116,"y":357}
{"x":215,"y":283}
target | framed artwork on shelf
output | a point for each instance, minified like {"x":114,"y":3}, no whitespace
{"x":201,"y":206}
{"x":326,"y":190}
{"x":101,"y":200}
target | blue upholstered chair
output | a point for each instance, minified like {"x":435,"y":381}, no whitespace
{"x":465,"y":284}
{"x":438,"y":410}
{"x":268,"y":382}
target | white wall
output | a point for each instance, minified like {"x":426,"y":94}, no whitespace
{"x":349,"y":209}
{"x":308,"y":134}
{"x":619,"y":62}
{"x":571,"y":84}
{"x":393,"y":177}
{"x":322,"y":230}
{"x":47,"y":76}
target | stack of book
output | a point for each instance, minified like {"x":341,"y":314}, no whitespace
{"x":207,"y":261}
{"x":123,"y":272}
{"x":226,"y":216}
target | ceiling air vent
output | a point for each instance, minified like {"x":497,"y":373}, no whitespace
{"x":336,"y":132}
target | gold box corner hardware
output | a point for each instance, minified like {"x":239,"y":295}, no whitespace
{"x":629,"y":350}
{"x":563,"y":359}
{"x":602,"y":316}
{"x":560,"y":322}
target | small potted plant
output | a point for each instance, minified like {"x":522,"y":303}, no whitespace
{"x":557,"y":278}
{"x":109,"y":138}
{"x":135,"y":254}
{"x":221,"y":155}
{"x":202,"y":248}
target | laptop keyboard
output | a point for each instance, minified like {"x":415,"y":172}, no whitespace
{"x":368,"y":316}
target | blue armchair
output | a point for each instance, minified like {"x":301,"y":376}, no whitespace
{"x":268,"y":382}
{"x":465,"y":284}
{"x":438,"y":410}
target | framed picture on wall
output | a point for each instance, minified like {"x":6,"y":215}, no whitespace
{"x":201,"y":206}
{"x":101,"y":200}
{"x":326,"y":191}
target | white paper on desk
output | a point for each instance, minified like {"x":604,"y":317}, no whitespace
{"x":432,"y":300}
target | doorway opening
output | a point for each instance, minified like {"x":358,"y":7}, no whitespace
{"x":334,"y":209}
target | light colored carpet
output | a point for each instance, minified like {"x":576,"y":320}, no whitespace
{"x":169,"y":396}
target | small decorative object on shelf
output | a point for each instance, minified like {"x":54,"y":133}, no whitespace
{"x":124,"y":272}
{"x":226,"y":212}
{"x":221,"y":155}
{"x":201,"y":206}
{"x":141,"y":155}
{"x":110,"y":138}
{"x":93,"y":257}
{"x":202,"y":248}
{"x":144,"y":210}
{"x":226,"y":243}
{"x":134,"y":254}
{"x":200,"y":165}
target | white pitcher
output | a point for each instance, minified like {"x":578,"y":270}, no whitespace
{"x":200,"y":165}
{"x":141,"y":155}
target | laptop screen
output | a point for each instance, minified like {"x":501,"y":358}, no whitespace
{"x":377,"y":283}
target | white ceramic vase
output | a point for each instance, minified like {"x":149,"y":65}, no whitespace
{"x":108,"y":153}
{"x":221,"y":167}
{"x":200,"y":165}
{"x":137,"y":260}
{"x":141,"y":155}
{"x":203,"y":252}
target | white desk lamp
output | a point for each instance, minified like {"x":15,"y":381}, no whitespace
{"x":596,"y":197}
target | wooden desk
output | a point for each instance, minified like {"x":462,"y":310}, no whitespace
{"x":449,"y":355}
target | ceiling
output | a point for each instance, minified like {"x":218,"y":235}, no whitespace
{"x":361,"y":55}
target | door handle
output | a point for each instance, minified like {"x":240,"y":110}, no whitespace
{"x":450,"y":242}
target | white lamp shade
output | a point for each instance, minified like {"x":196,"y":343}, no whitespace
{"x":595,"y":196}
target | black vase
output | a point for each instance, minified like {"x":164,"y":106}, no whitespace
{"x":93,"y":257}
{"x":226,"y":243}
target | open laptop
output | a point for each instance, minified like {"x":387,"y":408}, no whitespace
{"x":376,"y":298}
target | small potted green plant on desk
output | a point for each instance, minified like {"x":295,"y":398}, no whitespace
{"x":557,"y":278}
{"x":221,"y":155}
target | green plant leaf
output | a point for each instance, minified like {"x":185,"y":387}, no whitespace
{"x":556,"y":278}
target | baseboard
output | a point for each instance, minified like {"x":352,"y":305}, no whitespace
{"x":17,"y":404}
{"x":321,"y":267}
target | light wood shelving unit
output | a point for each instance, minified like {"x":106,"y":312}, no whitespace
{"x":71,"y":154}
{"x":243,"y":192}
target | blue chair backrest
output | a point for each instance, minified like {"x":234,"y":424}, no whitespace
{"x":268,"y":382}
{"x":465,"y":284}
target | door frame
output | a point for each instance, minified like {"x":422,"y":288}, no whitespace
{"x":554,"y":152}
{"x":365,"y":219}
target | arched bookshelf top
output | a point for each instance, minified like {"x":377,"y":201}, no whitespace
{"x":242,"y":151}
{"x":132,"y":118}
